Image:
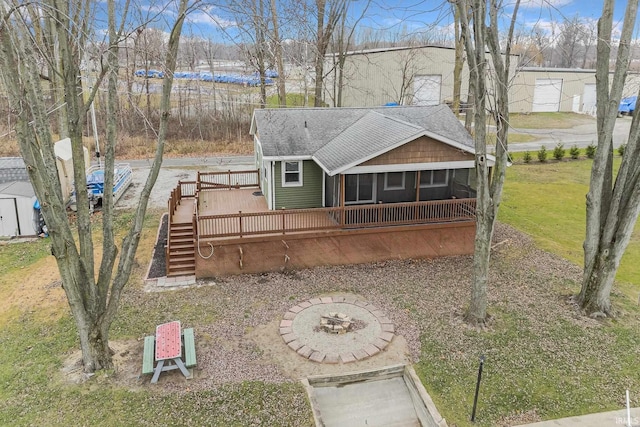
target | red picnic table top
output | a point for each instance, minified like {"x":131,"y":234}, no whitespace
{"x":168,"y":341}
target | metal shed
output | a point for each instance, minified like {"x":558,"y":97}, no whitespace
{"x":18,"y":215}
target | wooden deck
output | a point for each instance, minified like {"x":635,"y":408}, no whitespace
{"x":235,"y":224}
{"x":225,"y":201}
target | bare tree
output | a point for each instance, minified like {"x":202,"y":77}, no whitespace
{"x":459,"y":62}
{"x":278,"y":55}
{"x":569,"y":44}
{"x":328,"y":13}
{"x":93,"y":301}
{"x":589,"y":38}
{"x":342,"y":41}
{"x":253,"y":22}
{"x":612,"y":207}
{"x":481,"y":31}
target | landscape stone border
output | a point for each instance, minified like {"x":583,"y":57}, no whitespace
{"x":372,"y":348}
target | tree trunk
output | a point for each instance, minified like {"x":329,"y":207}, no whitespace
{"x":94,"y":342}
{"x":476,"y":313}
{"x":612,"y":207}
{"x":459,"y":62}
{"x":597,"y":285}
{"x":489,"y":183}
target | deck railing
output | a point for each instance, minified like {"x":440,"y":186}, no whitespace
{"x":296,"y":220}
{"x":188,"y":188}
{"x":229,"y":179}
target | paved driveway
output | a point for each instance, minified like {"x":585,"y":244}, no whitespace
{"x":581,"y":136}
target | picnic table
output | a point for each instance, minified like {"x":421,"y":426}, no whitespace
{"x":166,"y":349}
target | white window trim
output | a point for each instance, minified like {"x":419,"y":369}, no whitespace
{"x":432,"y":185}
{"x":283,"y":173}
{"x":393,"y":187}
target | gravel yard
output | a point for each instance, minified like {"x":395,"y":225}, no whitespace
{"x":236,"y":318}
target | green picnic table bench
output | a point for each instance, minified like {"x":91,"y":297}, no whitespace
{"x":189,"y":346}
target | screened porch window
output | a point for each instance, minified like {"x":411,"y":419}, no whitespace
{"x":359,"y":188}
{"x":434,"y":178}
{"x":394,"y":181}
{"x":292,"y":174}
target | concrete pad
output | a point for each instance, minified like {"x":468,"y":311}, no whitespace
{"x":386,"y":397}
{"x":377,"y":403}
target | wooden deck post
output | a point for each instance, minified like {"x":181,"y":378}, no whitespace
{"x":342,"y":199}
{"x":240,"y":221}
{"x":229,"y":178}
{"x":417,"y":186}
{"x":283,"y":221}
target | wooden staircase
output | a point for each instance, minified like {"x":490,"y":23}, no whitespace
{"x":181,"y":255}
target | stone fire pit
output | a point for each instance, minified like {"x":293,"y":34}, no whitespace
{"x":336,"y":329}
{"x":335,"y":323}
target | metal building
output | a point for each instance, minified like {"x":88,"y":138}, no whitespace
{"x":421,"y":75}
{"x":424,"y":76}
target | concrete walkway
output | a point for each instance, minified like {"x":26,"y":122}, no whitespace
{"x":603,"y":419}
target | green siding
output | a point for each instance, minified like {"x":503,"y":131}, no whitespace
{"x":307,"y":196}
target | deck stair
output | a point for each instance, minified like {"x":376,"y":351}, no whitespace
{"x":180,"y":251}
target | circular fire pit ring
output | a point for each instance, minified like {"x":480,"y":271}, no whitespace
{"x":336,"y":329}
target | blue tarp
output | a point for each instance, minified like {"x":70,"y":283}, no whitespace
{"x":251,"y":80}
{"x":628,"y":105}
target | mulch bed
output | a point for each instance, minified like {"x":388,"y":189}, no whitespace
{"x":158,"y":266}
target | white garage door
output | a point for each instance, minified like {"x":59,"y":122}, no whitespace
{"x":589,"y":99}
{"x":546,"y":95}
{"x":8,"y":217}
{"x":426,"y":89}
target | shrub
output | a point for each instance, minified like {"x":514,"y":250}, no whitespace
{"x":542,"y":154}
{"x":574,"y":152}
{"x":527,"y":157}
{"x":621,"y":149}
{"x":591,"y":151}
{"x":559,"y":152}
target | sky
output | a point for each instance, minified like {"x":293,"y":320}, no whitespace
{"x":390,"y":17}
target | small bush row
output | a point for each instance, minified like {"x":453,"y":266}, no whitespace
{"x":559,"y":153}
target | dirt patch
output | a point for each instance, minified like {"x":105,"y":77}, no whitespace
{"x":36,"y":290}
{"x":126,"y":371}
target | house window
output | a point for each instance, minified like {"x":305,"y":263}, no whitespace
{"x":394,"y":181}
{"x":359,"y":188}
{"x":434,"y":178}
{"x":292,"y":174}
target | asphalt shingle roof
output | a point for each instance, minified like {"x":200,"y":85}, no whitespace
{"x":337,"y":137}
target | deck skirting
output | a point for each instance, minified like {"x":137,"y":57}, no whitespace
{"x":334,"y":247}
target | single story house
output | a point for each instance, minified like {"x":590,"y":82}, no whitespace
{"x":327,"y":157}
{"x":331,"y":186}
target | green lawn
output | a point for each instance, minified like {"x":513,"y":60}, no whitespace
{"x":547,"y":201}
{"x":548,"y":120}
{"x":293,"y":100}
